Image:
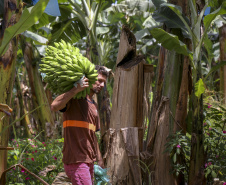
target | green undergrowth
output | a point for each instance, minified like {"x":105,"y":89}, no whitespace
{"x":34,"y":155}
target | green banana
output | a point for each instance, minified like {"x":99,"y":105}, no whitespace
{"x":67,"y":88}
{"x":63,"y":65}
{"x":74,"y":78}
{"x":65,"y":83}
{"x":91,"y":76}
{"x":78,"y":95}
{"x":70,"y":73}
{"x":91,"y":68}
{"x":84,"y":93}
{"x":77,"y":68}
{"x":68,"y":59}
{"x":88,"y":90}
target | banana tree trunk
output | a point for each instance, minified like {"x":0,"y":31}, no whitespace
{"x":12,"y":13}
{"x":163,"y":115}
{"x":27,"y":101}
{"x":181,"y":110}
{"x":223,"y":58}
{"x":168,"y":111}
{"x":124,"y":138}
{"x":24,"y":122}
{"x":45,"y":118}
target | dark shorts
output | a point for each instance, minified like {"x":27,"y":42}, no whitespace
{"x":80,"y":173}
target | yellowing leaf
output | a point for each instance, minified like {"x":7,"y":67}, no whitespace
{"x":199,"y":88}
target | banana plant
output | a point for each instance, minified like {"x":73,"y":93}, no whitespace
{"x":191,"y":31}
{"x":93,"y":19}
{"x":137,"y":15}
{"x":212,"y":52}
{"x":82,"y":22}
{"x":28,"y":18}
{"x":15,"y":21}
{"x":172,"y":16}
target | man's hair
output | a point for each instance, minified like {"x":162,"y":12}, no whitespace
{"x":102,"y":70}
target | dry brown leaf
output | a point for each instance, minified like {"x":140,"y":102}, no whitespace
{"x":6,"y":109}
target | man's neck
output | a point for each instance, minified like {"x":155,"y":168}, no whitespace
{"x":90,"y":96}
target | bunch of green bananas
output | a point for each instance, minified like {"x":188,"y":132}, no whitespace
{"x":63,"y":66}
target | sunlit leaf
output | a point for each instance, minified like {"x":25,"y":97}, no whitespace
{"x":44,"y":20}
{"x":216,"y":51}
{"x":142,"y":33}
{"x":35,"y":37}
{"x":102,"y":30}
{"x":170,"y":41}
{"x":141,"y":5}
{"x":219,"y":21}
{"x":151,"y":23}
{"x":199,"y":88}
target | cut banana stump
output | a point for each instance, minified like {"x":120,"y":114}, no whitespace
{"x":63,"y":66}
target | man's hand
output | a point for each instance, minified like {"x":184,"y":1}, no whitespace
{"x":61,"y":100}
{"x":101,"y":163}
{"x":81,"y":84}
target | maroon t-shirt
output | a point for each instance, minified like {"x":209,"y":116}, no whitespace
{"x":80,"y":122}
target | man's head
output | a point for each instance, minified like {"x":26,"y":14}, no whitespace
{"x":102,"y":70}
{"x":101,"y":79}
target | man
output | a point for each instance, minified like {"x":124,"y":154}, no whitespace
{"x":80,"y":122}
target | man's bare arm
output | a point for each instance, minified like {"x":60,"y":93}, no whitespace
{"x":61,"y":100}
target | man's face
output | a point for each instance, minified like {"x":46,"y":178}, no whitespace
{"x":99,"y":84}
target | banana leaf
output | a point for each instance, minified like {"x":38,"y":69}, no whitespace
{"x":210,"y":17}
{"x":28,"y":18}
{"x":171,"y":15}
{"x":35,"y":37}
{"x":199,"y":88}
{"x":215,"y":68}
{"x":170,"y":41}
{"x":158,"y":3}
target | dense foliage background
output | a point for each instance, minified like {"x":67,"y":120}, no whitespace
{"x":94,"y":26}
